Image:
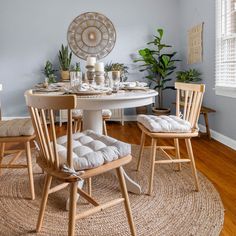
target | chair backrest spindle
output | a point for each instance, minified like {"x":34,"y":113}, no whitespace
{"x":69,"y":143}
{"x":177,"y":103}
{"x":54,"y":138}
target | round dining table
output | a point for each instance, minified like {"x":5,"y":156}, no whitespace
{"x":92,"y":113}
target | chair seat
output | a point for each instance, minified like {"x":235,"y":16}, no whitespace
{"x":164,"y":124}
{"x":78,"y":113}
{"x":91,"y":150}
{"x":16,"y":127}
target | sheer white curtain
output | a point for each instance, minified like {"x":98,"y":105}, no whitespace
{"x":225,"y":44}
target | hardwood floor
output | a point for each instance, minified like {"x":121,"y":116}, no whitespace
{"x":216,"y":161}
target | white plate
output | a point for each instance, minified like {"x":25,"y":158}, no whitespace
{"x":47,"y":90}
{"x":88,"y":92}
{"x":135,"y":88}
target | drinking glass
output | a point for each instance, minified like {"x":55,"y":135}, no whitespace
{"x":78,"y":78}
{"x":116,"y":80}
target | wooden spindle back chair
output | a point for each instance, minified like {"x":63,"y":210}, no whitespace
{"x":9,"y":136}
{"x":49,"y":160}
{"x":193,"y":96}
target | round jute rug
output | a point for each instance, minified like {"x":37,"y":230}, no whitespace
{"x":174,"y":209}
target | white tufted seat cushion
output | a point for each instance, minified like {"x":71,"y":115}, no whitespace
{"x":79,"y":113}
{"x":164,"y":124}
{"x":91,"y":150}
{"x":16,"y":127}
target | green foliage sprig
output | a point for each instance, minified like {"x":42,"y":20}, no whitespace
{"x":76,"y":68}
{"x":64,"y":57}
{"x":49,"y":72}
{"x":189,"y":76}
{"x":118,"y":67}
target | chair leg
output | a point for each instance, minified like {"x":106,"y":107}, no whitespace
{"x":153,"y":158}
{"x":80,"y":126}
{"x":193,"y":166}
{"x":143,"y":137}
{"x":104,"y":127}
{"x":177,"y":152}
{"x":72,"y":209}
{"x":2,"y":150}
{"x":208,"y":131}
{"x":30,"y":170}
{"x":90,"y":186}
{"x":46,"y":187}
{"x":124,"y":192}
{"x":75,"y":125}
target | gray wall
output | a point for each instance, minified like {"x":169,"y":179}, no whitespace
{"x":193,"y":12}
{"x":32,"y":32}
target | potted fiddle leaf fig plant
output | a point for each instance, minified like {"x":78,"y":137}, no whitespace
{"x":64,"y":57}
{"x":49,"y":72}
{"x":160,"y":66}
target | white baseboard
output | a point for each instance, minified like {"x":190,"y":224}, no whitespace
{"x":130,"y":118}
{"x":16,"y":117}
{"x":126,"y":118}
{"x":220,"y":137}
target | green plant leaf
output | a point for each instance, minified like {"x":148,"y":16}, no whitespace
{"x":166,"y":80}
{"x":169,"y":87}
{"x":160,"y":31}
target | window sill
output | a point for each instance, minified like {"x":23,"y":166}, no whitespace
{"x":225,"y":91}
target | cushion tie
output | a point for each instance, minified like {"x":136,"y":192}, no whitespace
{"x":71,"y":171}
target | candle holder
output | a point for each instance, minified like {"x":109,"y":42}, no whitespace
{"x":99,"y":77}
{"x":90,"y":73}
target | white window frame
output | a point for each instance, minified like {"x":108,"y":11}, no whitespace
{"x":221,"y":86}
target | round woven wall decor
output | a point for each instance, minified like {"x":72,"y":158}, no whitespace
{"x":91,"y":34}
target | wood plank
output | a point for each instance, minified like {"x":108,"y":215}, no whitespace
{"x":215,"y":160}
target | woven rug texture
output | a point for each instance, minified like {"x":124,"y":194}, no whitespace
{"x":174,"y":209}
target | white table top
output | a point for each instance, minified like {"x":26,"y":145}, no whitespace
{"x":122,"y":99}
{"x":122,"y":94}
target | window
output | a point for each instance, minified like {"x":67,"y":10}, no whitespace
{"x":226,"y":47}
